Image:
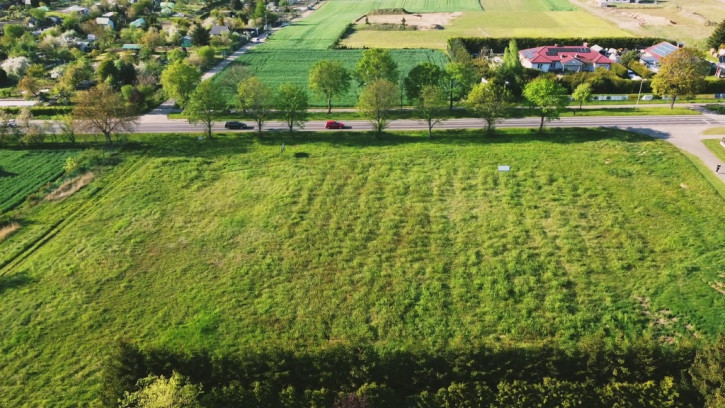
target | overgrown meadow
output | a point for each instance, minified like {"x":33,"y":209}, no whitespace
{"x":397,"y":243}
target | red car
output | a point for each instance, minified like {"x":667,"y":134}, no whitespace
{"x":332,"y":124}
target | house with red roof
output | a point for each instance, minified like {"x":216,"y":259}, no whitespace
{"x":564,"y":59}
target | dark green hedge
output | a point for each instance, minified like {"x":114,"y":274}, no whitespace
{"x":596,"y":375}
{"x":41,"y":110}
{"x":498,"y":45}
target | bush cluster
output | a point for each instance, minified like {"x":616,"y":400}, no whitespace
{"x":594,"y":375}
{"x":41,"y":110}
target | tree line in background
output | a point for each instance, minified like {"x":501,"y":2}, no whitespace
{"x":490,"y":92}
{"x":595,"y":374}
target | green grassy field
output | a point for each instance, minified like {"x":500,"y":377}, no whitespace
{"x":277,"y":66}
{"x":394,"y":242}
{"x":23,"y":171}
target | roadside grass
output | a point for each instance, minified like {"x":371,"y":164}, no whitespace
{"x":720,"y":130}
{"x":496,"y":23}
{"x":276,"y":66}
{"x":715,"y":147}
{"x":398,"y":242}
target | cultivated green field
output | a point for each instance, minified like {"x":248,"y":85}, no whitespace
{"x":23,"y":171}
{"x":491,"y":24}
{"x":397,"y":242}
{"x":321,"y":29}
{"x":275,"y":66}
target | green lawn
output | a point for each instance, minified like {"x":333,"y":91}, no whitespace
{"x":715,"y":147}
{"x":276,"y":66}
{"x":393,"y":242}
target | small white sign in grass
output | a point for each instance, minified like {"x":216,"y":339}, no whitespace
{"x":504,"y":168}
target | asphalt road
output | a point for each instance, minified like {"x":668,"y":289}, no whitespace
{"x":161,"y":124}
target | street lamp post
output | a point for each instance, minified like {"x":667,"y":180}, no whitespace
{"x":639,"y":94}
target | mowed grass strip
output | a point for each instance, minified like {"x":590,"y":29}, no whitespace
{"x":276,"y":66}
{"x":396,"y":242}
{"x":527,"y":5}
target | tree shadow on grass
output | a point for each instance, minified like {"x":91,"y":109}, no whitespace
{"x":455,"y":137}
{"x":649,"y":132}
{"x":14,"y":281}
{"x":225,"y":144}
{"x":189,"y":145}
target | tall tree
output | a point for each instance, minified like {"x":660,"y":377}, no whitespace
{"x":199,"y":36}
{"x":107,"y":69}
{"x":292,"y":103}
{"x":707,"y":373}
{"x":30,"y":86}
{"x":717,"y":38}
{"x":457,"y":81}
{"x":376,"y":63}
{"x":421,"y":75}
{"x":583,"y":93}
{"x":179,"y":80}
{"x":548,"y":97}
{"x":160,"y":392}
{"x":330,"y":79}
{"x":376,"y":101}
{"x":681,"y":74}
{"x":511,"y":62}
{"x":206,"y":102}
{"x":102,"y":110}
{"x":256,"y":99}
{"x":431,"y":104}
{"x":234,"y":74}
{"x":511,"y":71}
{"x":489,"y":101}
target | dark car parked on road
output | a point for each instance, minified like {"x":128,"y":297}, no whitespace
{"x":237,"y":125}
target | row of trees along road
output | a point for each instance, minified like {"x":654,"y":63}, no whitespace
{"x":429,"y":86}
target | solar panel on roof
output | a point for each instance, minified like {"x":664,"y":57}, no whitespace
{"x":664,"y":49}
{"x":575,"y":50}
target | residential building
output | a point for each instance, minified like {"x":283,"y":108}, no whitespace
{"x":571,"y":58}
{"x":651,"y":56}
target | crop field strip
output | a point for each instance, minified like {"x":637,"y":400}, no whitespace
{"x":393,"y":242}
{"x":274,"y":67}
{"x":24,"y":171}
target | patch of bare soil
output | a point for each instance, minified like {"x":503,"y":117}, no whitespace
{"x":69,"y":187}
{"x":423,"y":21}
{"x":8,"y":229}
